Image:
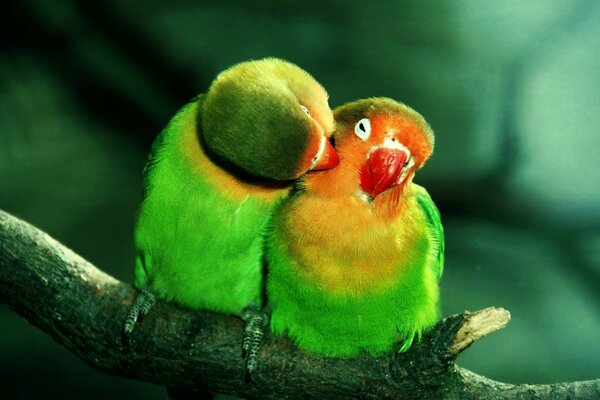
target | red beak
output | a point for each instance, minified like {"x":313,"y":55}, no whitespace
{"x":329,"y":158}
{"x":381,"y":170}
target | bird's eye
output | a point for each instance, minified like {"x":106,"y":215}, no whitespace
{"x":306,"y":110}
{"x":363,"y":129}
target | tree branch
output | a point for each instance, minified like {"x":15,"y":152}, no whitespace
{"x":84,"y":309}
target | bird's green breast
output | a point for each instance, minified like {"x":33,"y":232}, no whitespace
{"x":199,"y":228}
{"x":364,"y":285}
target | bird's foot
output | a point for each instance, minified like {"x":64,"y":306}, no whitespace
{"x":255,"y":322}
{"x":142,"y":304}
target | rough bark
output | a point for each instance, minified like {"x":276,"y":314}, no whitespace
{"x":83,"y":309}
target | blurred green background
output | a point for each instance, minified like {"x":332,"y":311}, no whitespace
{"x":511,"y":89}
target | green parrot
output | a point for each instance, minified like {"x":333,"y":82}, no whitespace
{"x":211,"y":180}
{"x":355,"y":253}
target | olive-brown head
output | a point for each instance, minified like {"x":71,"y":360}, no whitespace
{"x":270,"y":118}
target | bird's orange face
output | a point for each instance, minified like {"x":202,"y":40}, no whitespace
{"x":386,"y":149}
{"x":395,"y":150}
{"x":319,"y":154}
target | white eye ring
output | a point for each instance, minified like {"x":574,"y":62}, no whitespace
{"x":306,"y":110}
{"x":363,"y":129}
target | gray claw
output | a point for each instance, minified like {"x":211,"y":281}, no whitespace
{"x":142,"y":304}
{"x":254,"y":331}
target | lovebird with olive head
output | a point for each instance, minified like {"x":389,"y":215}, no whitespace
{"x":212,"y":178}
{"x":355,"y":253}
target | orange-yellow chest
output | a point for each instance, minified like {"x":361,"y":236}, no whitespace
{"x":346,"y":246}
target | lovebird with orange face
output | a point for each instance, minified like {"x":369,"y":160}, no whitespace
{"x":355,"y":253}
{"x":212,"y":178}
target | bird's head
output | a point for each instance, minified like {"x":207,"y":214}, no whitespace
{"x":383,"y":141}
{"x":270,"y":118}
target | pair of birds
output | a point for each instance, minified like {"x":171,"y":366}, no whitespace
{"x":246,"y":175}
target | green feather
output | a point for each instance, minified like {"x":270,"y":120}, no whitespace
{"x":434,"y":222}
{"x":346,"y":324}
{"x":196,"y":245}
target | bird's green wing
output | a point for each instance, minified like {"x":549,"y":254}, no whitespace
{"x":157,"y":146}
{"x":435,"y":225}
